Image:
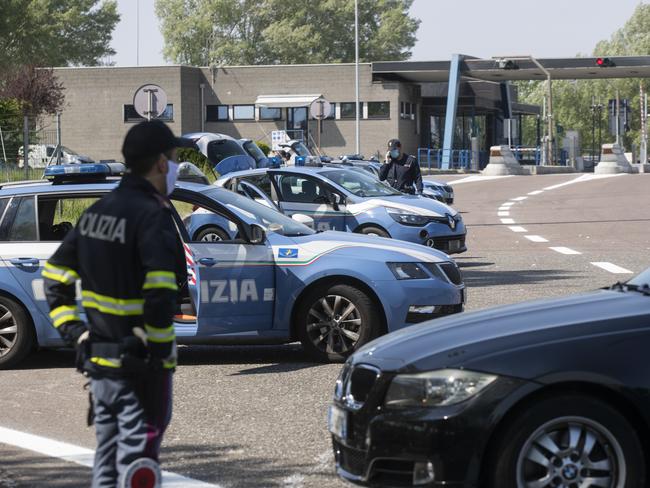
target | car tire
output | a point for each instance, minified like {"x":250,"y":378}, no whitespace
{"x":334,"y":341}
{"x":211,"y":234}
{"x":16,"y":333}
{"x":373,"y":231}
{"x":547,"y":427}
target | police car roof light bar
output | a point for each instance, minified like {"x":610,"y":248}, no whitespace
{"x":75,"y":172}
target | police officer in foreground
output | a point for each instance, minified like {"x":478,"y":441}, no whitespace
{"x":400,"y":170}
{"x":126,"y":251}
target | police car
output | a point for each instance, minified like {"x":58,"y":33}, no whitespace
{"x":348,"y":200}
{"x":275,"y":281}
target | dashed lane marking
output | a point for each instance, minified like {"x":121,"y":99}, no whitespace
{"x":516,"y":228}
{"x":507,"y":221}
{"x":536,"y":192}
{"x":564,"y":250}
{"x":82,"y":456}
{"x":476,"y":178}
{"x":536,"y":238}
{"x":504,"y":213}
{"x":518,"y":199}
{"x":507,"y":204}
{"x":612,"y":268}
{"x":581,"y":179}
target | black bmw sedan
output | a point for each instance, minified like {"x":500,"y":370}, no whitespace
{"x":544,"y":394}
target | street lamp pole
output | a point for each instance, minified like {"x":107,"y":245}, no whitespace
{"x":356,"y":78}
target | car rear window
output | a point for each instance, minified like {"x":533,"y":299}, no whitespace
{"x":3,"y":207}
{"x":23,"y":227}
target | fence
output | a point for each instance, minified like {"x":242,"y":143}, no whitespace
{"x":42,"y":144}
{"x":459,"y":158}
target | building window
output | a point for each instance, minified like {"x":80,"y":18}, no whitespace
{"x":378,"y":110}
{"x":348,"y":110}
{"x":267,"y":113}
{"x":130,"y":115}
{"x":243,"y":112}
{"x":216,"y":113}
{"x":407,"y":110}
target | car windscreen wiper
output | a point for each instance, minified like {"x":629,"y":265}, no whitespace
{"x":644,"y":289}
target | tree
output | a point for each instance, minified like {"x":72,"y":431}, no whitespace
{"x":218,"y":32}
{"x":56,"y":32}
{"x":37,"y":91}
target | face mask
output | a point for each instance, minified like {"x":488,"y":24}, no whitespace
{"x":394,"y":153}
{"x":172,"y":175}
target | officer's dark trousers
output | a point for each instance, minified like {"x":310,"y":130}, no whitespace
{"x":126,"y":427}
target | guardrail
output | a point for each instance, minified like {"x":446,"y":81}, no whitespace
{"x":432,"y":158}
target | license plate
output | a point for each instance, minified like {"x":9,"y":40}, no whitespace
{"x":337,"y":421}
{"x":454,"y":245}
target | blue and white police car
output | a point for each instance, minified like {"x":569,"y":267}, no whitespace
{"x":348,"y":200}
{"x":275,"y":281}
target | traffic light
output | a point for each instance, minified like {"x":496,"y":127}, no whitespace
{"x":507,"y":64}
{"x":604,"y":63}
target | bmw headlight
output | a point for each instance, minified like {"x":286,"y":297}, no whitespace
{"x":435,"y":388}
{"x":407,"y":218}
{"x":408,"y":271}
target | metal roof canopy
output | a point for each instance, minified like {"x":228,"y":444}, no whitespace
{"x":488,"y":69}
{"x":280,"y":101}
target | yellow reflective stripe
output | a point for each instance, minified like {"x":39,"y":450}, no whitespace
{"x":62,"y":274}
{"x":64,"y":313}
{"x":107,"y":362}
{"x":169,"y":364}
{"x":160,"y":279}
{"x":111,"y":305}
{"x":160,"y":335}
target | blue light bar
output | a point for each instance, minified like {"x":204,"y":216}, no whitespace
{"x":85,"y":171}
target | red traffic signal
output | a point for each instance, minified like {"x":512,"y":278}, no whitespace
{"x":604,"y":63}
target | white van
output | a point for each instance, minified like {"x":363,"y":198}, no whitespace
{"x":42,"y":155}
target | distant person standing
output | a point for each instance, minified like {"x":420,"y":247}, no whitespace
{"x":401,"y":170}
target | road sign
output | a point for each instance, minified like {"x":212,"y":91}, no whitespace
{"x":150,"y":101}
{"x":320,"y":109}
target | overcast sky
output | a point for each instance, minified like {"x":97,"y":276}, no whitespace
{"x":482,"y":28}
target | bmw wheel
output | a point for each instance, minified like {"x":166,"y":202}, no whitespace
{"x":334,"y":321}
{"x":212,"y":234}
{"x":16,"y":333}
{"x":569,"y":442}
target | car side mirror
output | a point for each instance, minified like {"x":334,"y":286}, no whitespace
{"x":257,"y":234}
{"x":304,"y":219}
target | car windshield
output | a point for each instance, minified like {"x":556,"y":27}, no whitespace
{"x":641,"y":280}
{"x":67,"y":150}
{"x":254,"y":151}
{"x":360,"y":184}
{"x":255,"y":213}
{"x":221,"y":149}
{"x":301,"y":149}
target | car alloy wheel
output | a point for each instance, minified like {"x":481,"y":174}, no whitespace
{"x":571,"y":452}
{"x":211,"y":238}
{"x":8,"y":331}
{"x":334,"y":324}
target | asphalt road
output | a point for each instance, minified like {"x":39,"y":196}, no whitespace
{"x":256,"y":416}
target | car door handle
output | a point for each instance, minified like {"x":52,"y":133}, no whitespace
{"x":25,"y":261}
{"x":207,"y":261}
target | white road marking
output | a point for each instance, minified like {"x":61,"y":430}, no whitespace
{"x":536,"y":192}
{"x":581,"y":179}
{"x":518,"y":199}
{"x":564,"y":250}
{"x":82,"y":456}
{"x":507,"y":204}
{"x":503,"y":214}
{"x":517,"y":228}
{"x":536,"y":238}
{"x":507,"y":221}
{"x":475,"y":178}
{"x":612,"y":268}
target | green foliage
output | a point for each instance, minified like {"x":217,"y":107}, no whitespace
{"x":236,"y":32}
{"x":264,"y":147}
{"x":572,"y":100}
{"x":55,"y":32}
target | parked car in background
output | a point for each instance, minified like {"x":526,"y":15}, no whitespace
{"x":42,"y":155}
{"x":217,"y":147}
{"x":297,"y":149}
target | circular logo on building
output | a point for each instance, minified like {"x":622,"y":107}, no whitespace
{"x":142,"y":473}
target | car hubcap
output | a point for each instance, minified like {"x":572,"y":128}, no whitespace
{"x":334,"y":324}
{"x":211,"y":237}
{"x":8,"y":331}
{"x":571,"y":452}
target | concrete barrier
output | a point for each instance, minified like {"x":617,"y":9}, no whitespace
{"x":612,"y":161}
{"x":503,"y":162}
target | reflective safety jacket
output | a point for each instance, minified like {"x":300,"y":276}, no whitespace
{"x":402,"y":173}
{"x":128,"y":255}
